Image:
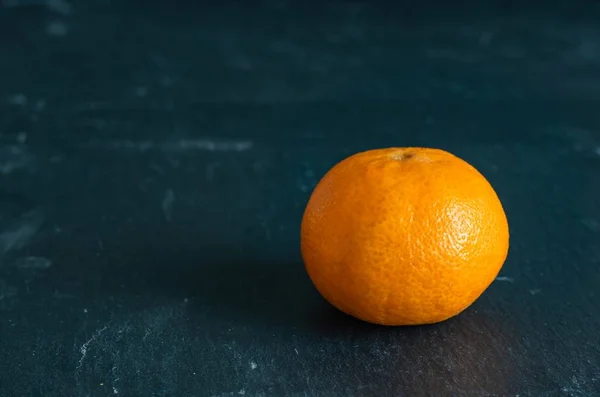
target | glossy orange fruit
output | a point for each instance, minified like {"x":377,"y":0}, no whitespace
{"x":403,"y":236}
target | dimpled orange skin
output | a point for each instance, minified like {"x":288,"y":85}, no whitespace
{"x":403,"y":236}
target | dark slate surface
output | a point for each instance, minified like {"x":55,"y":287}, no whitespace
{"x":155,"y":160}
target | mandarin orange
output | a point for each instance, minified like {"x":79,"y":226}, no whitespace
{"x":403,"y":236}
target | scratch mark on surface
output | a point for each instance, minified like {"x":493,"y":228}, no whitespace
{"x":211,"y":146}
{"x":167,"y":204}
{"x":177,"y":146}
{"x":33,"y":262}
{"x":115,"y":380}
{"x":86,"y":345}
{"x":535,"y":291}
{"x":23,"y":233}
{"x":296,"y":350}
{"x":504,"y":278}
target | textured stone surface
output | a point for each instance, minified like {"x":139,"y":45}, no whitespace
{"x":155,"y":161}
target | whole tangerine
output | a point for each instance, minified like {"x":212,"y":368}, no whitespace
{"x":403,"y":236}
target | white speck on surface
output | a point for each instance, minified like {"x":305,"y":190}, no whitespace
{"x":242,"y":392}
{"x":576,"y":387}
{"x":33,"y":262}
{"x":115,"y":391}
{"x":535,"y":291}
{"x":597,"y":151}
{"x":57,"y":29}
{"x":167,"y":204}
{"x":86,"y":345}
{"x":504,"y":278}
{"x":253,"y":365}
{"x":186,"y":300}
{"x":85,"y":310}
{"x":18,"y":99}
{"x":21,"y":137}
